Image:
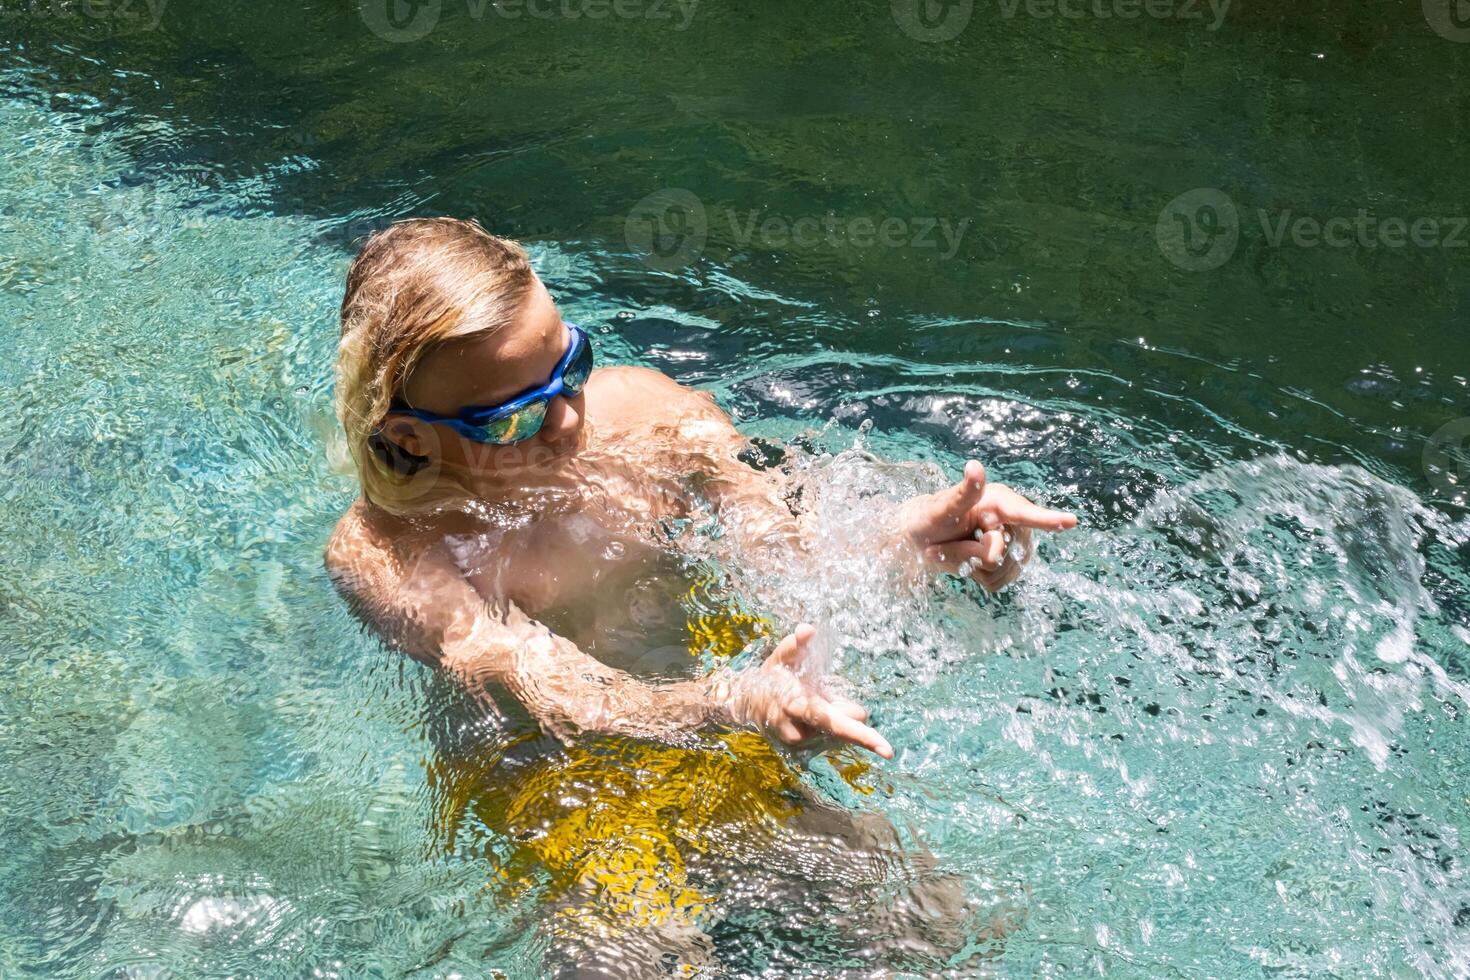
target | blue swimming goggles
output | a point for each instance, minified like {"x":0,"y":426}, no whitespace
{"x":520,"y":418}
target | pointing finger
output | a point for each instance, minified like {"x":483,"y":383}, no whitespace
{"x":850,"y":708}
{"x":854,"y":731}
{"x":1012,"y":508}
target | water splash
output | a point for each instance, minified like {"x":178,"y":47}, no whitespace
{"x":1257,"y":666}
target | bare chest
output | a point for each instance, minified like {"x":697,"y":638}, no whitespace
{"x":582,"y":547}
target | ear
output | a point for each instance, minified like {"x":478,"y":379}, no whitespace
{"x":413,"y":436}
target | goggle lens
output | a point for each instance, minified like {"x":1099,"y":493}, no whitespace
{"x":517,"y":427}
{"x":579,"y":370}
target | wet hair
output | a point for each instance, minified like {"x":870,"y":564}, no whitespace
{"x":414,"y":285}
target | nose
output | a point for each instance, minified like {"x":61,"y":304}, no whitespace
{"x":563,"y":418}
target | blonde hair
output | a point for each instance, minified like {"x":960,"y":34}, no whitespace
{"x":416,"y":284}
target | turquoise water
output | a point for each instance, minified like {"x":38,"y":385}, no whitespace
{"x":1218,"y":731}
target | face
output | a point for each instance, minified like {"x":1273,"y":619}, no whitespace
{"x":489,"y":370}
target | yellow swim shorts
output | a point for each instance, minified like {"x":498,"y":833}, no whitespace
{"x":610,"y":824}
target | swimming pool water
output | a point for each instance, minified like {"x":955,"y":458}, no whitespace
{"x":1217,"y":731}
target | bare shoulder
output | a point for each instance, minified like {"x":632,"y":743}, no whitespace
{"x":396,"y":581}
{"x":353,"y":535}
{"x":637,"y":394}
{"x":632,"y":378}
{"x":362,"y":553}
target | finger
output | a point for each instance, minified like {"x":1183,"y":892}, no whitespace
{"x":850,"y":708}
{"x":793,"y":648}
{"x":954,"y":554}
{"x":1022,"y":536}
{"x":992,"y":550}
{"x":773,"y":716}
{"x":968,"y":491}
{"x":1012,"y":508}
{"x":1000,"y":578}
{"x":787,"y":732}
{"x":811,"y":710}
{"x":854,"y":731}
{"x":784,"y":649}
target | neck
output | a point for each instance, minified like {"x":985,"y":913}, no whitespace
{"x":498,"y":476}
{"x":538,"y":473}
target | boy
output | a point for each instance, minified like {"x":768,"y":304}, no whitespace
{"x":507,"y":486}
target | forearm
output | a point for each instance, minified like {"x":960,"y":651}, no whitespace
{"x":755,"y":516}
{"x":570,"y":693}
{"x":773,"y":521}
{"x":428,"y":609}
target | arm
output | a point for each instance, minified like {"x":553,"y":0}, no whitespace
{"x":752,"y":503}
{"x":967,"y":529}
{"x":427,"y":608}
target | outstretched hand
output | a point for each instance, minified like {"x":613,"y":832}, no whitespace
{"x":779,"y":697}
{"x":968,"y":529}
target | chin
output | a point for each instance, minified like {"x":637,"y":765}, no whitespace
{"x":566,"y":445}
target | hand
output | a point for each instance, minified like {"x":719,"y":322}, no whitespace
{"x":969,"y":527}
{"x":780,"y":698}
